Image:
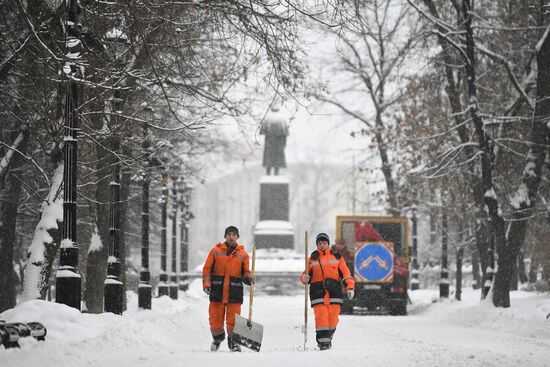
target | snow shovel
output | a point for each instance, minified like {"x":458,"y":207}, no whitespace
{"x":247,"y":333}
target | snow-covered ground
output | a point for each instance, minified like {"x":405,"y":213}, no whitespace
{"x":175,"y":333}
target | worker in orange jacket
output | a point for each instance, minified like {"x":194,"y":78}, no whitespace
{"x":223,"y":274}
{"x":327,"y":273}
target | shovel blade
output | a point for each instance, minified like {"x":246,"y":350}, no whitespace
{"x":247,"y":333}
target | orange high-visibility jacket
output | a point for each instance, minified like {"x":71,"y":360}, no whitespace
{"x":327,"y":272}
{"x":224,"y":273}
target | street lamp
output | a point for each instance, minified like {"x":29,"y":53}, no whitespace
{"x":67,"y":278}
{"x":185,"y":190}
{"x":163,"y":288}
{"x":117,"y":45}
{"x":174,"y":217}
{"x":415,"y":283}
{"x":145,"y":289}
{"x":444,"y":281}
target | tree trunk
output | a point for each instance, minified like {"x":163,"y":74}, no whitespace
{"x":10,"y":188}
{"x":514,"y":281}
{"x":393,"y":209}
{"x":482,"y":247}
{"x":459,"y":258}
{"x":96,"y":270}
{"x":533,"y":269}
{"x":526,"y":195}
{"x":84,"y":231}
{"x":522,"y":274}
{"x":45,"y":243}
{"x":475,"y":270}
{"x":124,"y":196}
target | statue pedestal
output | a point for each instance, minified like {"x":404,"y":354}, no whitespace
{"x":273,"y":230}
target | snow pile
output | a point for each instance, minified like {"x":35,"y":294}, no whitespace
{"x":76,"y":339}
{"x":272,"y":260}
{"x":526,"y":317}
{"x":176,"y":333}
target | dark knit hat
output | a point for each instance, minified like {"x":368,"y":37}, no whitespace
{"x":322,"y":236}
{"x":231,"y":229}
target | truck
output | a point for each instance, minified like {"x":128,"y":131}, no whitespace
{"x":376,"y":250}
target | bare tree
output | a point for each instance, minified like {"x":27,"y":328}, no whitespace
{"x":371,"y":54}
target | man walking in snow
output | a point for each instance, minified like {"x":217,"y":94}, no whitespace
{"x":223,"y":274}
{"x":326,"y":273}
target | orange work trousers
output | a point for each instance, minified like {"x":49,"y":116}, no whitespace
{"x":217,"y":312}
{"x":326,"y":320}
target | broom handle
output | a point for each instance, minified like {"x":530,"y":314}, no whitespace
{"x":252,"y":284}
{"x":306,"y":295}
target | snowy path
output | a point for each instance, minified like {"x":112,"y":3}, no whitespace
{"x":176,"y":334}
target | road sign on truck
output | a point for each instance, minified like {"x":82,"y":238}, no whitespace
{"x":376,"y":249}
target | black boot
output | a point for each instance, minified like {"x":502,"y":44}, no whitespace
{"x":324,"y":338}
{"x":234,"y":347}
{"x":218,"y":339}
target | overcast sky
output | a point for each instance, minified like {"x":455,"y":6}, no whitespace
{"x":318,"y":133}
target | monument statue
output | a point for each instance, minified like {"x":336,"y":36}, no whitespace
{"x":273,"y":230}
{"x":275,"y":129}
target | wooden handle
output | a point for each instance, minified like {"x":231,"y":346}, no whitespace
{"x":306,"y":293}
{"x":252,"y":284}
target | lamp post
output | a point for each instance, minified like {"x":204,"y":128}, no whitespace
{"x":117,"y":42}
{"x":415,"y":283}
{"x":444,"y":281}
{"x":174,"y":218}
{"x":67,"y":279}
{"x":144,"y":288}
{"x":491,"y":132}
{"x":186,"y":215}
{"x":163,"y":288}
{"x":414,"y":273}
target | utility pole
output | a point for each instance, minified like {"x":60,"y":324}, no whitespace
{"x":444,"y":282}
{"x":415,"y":283}
{"x":163,"y":288}
{"x":67,"y":279}
{"x":144,"y":288}
{"x":174,"y":217}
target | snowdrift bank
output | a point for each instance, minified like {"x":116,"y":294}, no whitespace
{"x":175,"y":333}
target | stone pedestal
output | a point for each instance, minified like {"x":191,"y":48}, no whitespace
{"x":273,"y":230}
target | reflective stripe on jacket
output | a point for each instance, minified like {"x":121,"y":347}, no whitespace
{"x":223,"y":273}
{"x":327,"y":271}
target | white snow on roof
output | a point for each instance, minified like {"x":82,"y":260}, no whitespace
{"x":66,"y":274}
